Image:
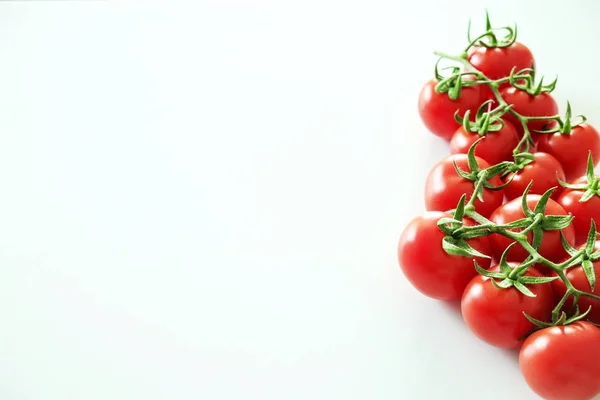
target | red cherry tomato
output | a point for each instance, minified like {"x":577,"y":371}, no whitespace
{"x":497,"y":62}
{"x":428,"y":267}
{"x":551,"y":247}
{"x":496,"y":315}
{"x":584,"y":212}
{"x":497,"y":146}
{"x":542,"y":105}
{"x":437,"y":109}
{"x":572,"y":150}
{"x":563,"y":362}
{"x":444,"y":187}
{"x":576,"y":276}
{"x":542,"y":171}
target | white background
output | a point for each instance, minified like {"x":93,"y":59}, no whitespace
{"x":202,"y":200}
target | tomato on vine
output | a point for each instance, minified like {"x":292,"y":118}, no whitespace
{"x":581,"y":197}
{"x":437,"y":109}
{"x":584,"y":211}
{"x":538,"y":169}
{"x":520,"y":151}
{"x":578,"y":277}
{"x":445,"y":186}
{"x":498,"y":62}
{"x":537,"y":105}
{"x":571,"y":145}
{"x":547,"y":229}
{"x":493,"y":306}
{"x":428,"y":267}
{"x":563,"y":362}
{"x":500,"y":136}
{"x":497,"y":58}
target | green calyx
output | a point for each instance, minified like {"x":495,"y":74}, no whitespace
{"x":455,"y":241}
{"x":585,"y":257}
{"x":453,"y":84}
{"x":521,"y":160}
{"x":509,"y":277}
{"x":562,"y":320}
{"x":563,"y":125}
{"x":489,"y":39}
{"x":525,"y":80}
{"x":540,"y":222}
{"x":591,"y":188}
{"x":486,"y":120}
{"x":479,"y":177}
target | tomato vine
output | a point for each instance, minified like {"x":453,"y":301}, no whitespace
{"x":503,"y":88}
{"x":535,"y":218}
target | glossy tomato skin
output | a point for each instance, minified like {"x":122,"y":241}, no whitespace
{"x":496,"y":315}
{"x":496,"y":63}
{"x":497,"y":146}
{"x":437,"y":109}
{"x":444,"y":187}
{"x":426,"y":265}
{"x":541,"y":105}
{"x":563,"y":362}
{"x":572,"y":150}
{"x":584,"y":212}
{"x":542,"y":171}
{"x":576,"y":276}
{"x":551,"y":247}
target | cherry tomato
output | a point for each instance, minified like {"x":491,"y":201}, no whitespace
{"x":497,"y":146}
{"x":496,"y":315}
{"x":584,"y":212}
{"x":437,"y":109}
{"x":542,"y":171}
{"x":572,"y":150}
{"x":563,"y":362}
{"x":576,"y":276}
{"x":497,"y":62}
{"x":444,"y":187}
{"x":542,"y":105}
{"x":428,"y":267}
{"x":551,"y":247}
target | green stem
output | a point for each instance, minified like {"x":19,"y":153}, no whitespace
{"x":536,"y":220}
{"x":461,"y":60}
{"x":478,"y":38}
{"x":478,"y":187}
{"x":560,"y":304}
{"x":474,"y":215}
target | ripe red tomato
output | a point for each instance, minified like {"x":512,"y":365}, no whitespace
{"x":542,"y":171}
{"x":551,"y":247}
{"x":527,"y":105}
{"x":496,"y":315}
{"x":444,"y":187}
{"x":576,"y":276}
{"x":497,"y":146}
{"x":563,"y":362}
{"x":437,"y":109}
{"x":428,"y":267}
{"x":497,"y":62}
{"x":572,"y":150}
{"x":584,"y":212}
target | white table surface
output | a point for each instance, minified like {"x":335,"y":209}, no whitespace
{"x":202,"y":200}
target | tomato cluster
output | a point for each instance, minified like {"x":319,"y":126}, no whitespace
{"x":511,"y":213}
